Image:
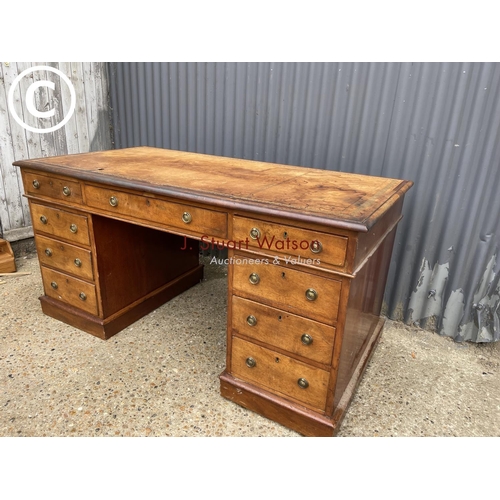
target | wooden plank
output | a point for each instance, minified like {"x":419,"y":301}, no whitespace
{"x":55,"y":103}
{"x":101,"y":105}
{"x":11,"y":196}
{"x":90,"y":108}
{"x":4,"y":212}
{"x":80,"y":110}
{"x":42,"y":102}
{"x":70,"y":129}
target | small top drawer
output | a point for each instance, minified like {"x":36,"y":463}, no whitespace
{"x":321,"y":249}
{"x":60,"y":223}
{"x":294,"y":291}
{"x":41,"y":185}
{"x":188,"y":219}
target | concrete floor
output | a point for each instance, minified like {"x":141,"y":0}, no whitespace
{"x":159,"y":377}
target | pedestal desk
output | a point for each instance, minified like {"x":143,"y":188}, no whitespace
{"x":309,"y":250}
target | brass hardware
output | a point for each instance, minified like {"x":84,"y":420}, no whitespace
{"x":36,"y":184}
{"x":113,"y":201}
{"x":250,"y":362}
{"x":285,"y":235}
{"x":66,"y":191}
{"x":316,"y":246}
{"x":252,"y":320}
{"x":254,"y":278}
{"x":54,"y":285}
{"x":48,"y":252}
{"x":186,"y":217}
{"x":78,"y":263}
{"x":82,"y":296}
{"x":43,"y":219}
{"x":254,"y":233}
{"x":73,"y":228}
{"x":311,"y":294}
{"x":306,"y":339}
{"x":303,"y":383}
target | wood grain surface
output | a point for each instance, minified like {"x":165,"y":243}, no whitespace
{"x":335,"y":198}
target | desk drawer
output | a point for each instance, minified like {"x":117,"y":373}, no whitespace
{"x":288,"y":289}
{"x":37,"y":184}
{"x":279,"y":373}
{"x":188,"y":219}
{"x":66,"y":257}
{"x":278,"y":239}
{"x":295,"y":334}
{"x":59,"y":223}
{"x":71,"y":290}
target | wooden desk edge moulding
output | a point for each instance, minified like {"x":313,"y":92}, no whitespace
{"x":309,"y":252}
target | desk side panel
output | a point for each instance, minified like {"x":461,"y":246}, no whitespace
{"x":363,"y":312}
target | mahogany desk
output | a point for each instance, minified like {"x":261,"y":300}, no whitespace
{"x":309,"y":254}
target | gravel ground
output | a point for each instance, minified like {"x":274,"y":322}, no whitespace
{"x":159,"y":377}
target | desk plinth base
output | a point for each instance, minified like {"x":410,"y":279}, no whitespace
{"x":294,"y":416}
{"x":107,"y":327}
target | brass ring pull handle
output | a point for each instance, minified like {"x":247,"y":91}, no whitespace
{"x":54,"y":285}
{"x":254,"y":233}
{"x":187,"y":217}
{"x":250,"y":362}
{"x":311,"y":294}
{"x":48,"y":252}
{"x":306,"y":339}
{"x":36,"y":184}
{"x":303,"y":383}
{"x":78,"y":263}
{"x":254,"y":278}
{"x":113,"y":201}
{"x":252,"y":320}
{"x":66,"y":191}
{"x":82,"y":296}
{"x":43,"y":219}
{"x":316,"y":246}
{"x":73,"y":228}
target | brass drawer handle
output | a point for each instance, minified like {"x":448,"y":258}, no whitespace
{"x":36,"y":184}
{"x":73,"y":228}
{"x":54,"y":285}
{"x":306,"y":339}
{"x":43,"y":219}
{"x":303,"y":383}
{"x":78,"y":263}
{"x":254,"y":233}
{"x":82,"y":296}
{"x":113,"y":201}
{"x":311,"y":294}
{"x":250,"y":362}
{"x":186,"y":217}
{"x":66,"y":191}
{"x":316,"y":246}
{"x":252,"y":320}
{"x":48,"y":252}
{"x":254,"y":278}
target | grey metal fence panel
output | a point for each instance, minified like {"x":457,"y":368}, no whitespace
{"x":437,"y":124}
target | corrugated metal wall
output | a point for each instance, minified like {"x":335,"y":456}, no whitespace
{"x":87,"y":130}
{"x":437,"y":124}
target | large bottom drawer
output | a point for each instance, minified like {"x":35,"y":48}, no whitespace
{"x":279,"y":374}
{"x":71,"y":290}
